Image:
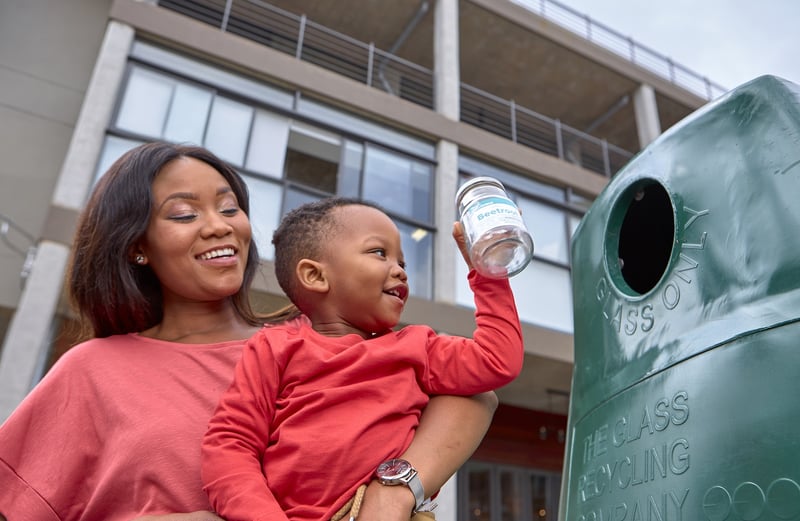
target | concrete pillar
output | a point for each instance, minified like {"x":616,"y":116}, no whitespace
{"x":447,"y":77}
{"x":446,"y":254}
{"x":645,"y":108}
{"x":27,"y":340}
{"x":447,"y":101}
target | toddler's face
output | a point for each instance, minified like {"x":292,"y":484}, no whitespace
{"x":366,"y":269}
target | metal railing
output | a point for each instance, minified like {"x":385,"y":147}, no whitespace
{"x":624,"y":46}
{"x":308,"y":41}
{"x":526,"y":127}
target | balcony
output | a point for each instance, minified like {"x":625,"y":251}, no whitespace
{"x":303,"y":38}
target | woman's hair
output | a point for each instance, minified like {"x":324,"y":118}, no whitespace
{"x":111,"y":293}
{"x":303,"y":234}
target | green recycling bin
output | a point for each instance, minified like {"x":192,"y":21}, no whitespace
{"x":685,"y":402}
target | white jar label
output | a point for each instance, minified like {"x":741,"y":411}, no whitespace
{"x":489,"y":213}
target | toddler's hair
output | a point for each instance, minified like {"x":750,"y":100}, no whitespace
{"x":303,"y":233}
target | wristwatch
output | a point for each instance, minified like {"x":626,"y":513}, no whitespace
{"x":400,"y":472}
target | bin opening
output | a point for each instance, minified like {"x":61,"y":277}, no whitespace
{"x":646,"y":236}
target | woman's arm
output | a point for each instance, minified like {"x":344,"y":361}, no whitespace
{"x":450,"y":429}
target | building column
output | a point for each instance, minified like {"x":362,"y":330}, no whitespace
{"x":27,"y":341}
{"x":645,"y":108}
{"x":446,"y":253}
{"x":447,"y":101}
{"x":447,"y":76}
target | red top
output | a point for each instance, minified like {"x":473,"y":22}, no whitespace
{"x":113,"y":431}
{"x":309,"y":417}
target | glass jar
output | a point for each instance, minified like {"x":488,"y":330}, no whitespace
{"x":498,"y":242}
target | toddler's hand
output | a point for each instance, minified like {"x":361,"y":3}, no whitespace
{"x":461,"y":241}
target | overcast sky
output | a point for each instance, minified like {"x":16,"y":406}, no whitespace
{"x":728,"y":41}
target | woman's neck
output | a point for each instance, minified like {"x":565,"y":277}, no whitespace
{"x":200,"y":324}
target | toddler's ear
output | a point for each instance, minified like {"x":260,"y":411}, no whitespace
{"x":311,"y":276}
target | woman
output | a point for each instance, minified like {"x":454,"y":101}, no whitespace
{"x":162,"y":267}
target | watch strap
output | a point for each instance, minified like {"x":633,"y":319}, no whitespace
{"x":415,"y":485}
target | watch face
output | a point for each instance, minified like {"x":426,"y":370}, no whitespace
{"x":393,"y":469}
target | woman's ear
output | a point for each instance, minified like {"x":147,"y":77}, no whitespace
{"x":136,"y":255}
{"x":311,"y":276}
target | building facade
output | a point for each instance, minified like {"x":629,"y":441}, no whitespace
{"x":395,"y":102}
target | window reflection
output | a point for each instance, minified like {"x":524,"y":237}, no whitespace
{"x":229,"y":129}
{"x":410,"y":182}
{"x":491,"y":492}
{"x":548,"y":227}
{"x":350,"y":169}
{"x":267,"y":148}
{"x":574,"y":221}
{"x":478,"y":496}
{"x":295,"y":198}
{"x":265,"y":213}
{"x":538,"y":497}
{"x":538,"y":279}
{"x":418,"y":250}
{"x":510,"y":497}
{"x":162,"y":107}
{"x":187,"y":115}
{"x":145,"y":103}
{"x":112,"y":149}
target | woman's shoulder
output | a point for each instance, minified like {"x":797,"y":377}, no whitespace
{"x":89,"y":347}
{"x":134,"y":346}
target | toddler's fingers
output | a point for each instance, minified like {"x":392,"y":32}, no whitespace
{"x":461,"y":241}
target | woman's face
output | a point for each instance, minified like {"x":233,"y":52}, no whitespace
{"x":198,"y":237}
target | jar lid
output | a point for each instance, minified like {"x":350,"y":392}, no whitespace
{"x":476,"y":181}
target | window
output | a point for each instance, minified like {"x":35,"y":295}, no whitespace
{"x":268,"y":141}
{"x":418,"y":250}
{"x":543,"y":293}
{"x":312,"y":158}
{"x":161,"y":107}
{"x":489,"y":492}
{"x":187,"y":119}
{"x":477,"y":496}
{"x":228,"y":130}
{"x":546,"y":224}
{"x":350,"y":169}
{"x":398,"y":183}
{"x":145,"y":104}
{"x":112,"y":149}
{"x":265,"y":204}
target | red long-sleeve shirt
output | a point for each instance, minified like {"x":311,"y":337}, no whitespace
{"x":309,"y":417}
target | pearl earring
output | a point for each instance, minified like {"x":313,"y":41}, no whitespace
{"x":140,"y":259}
